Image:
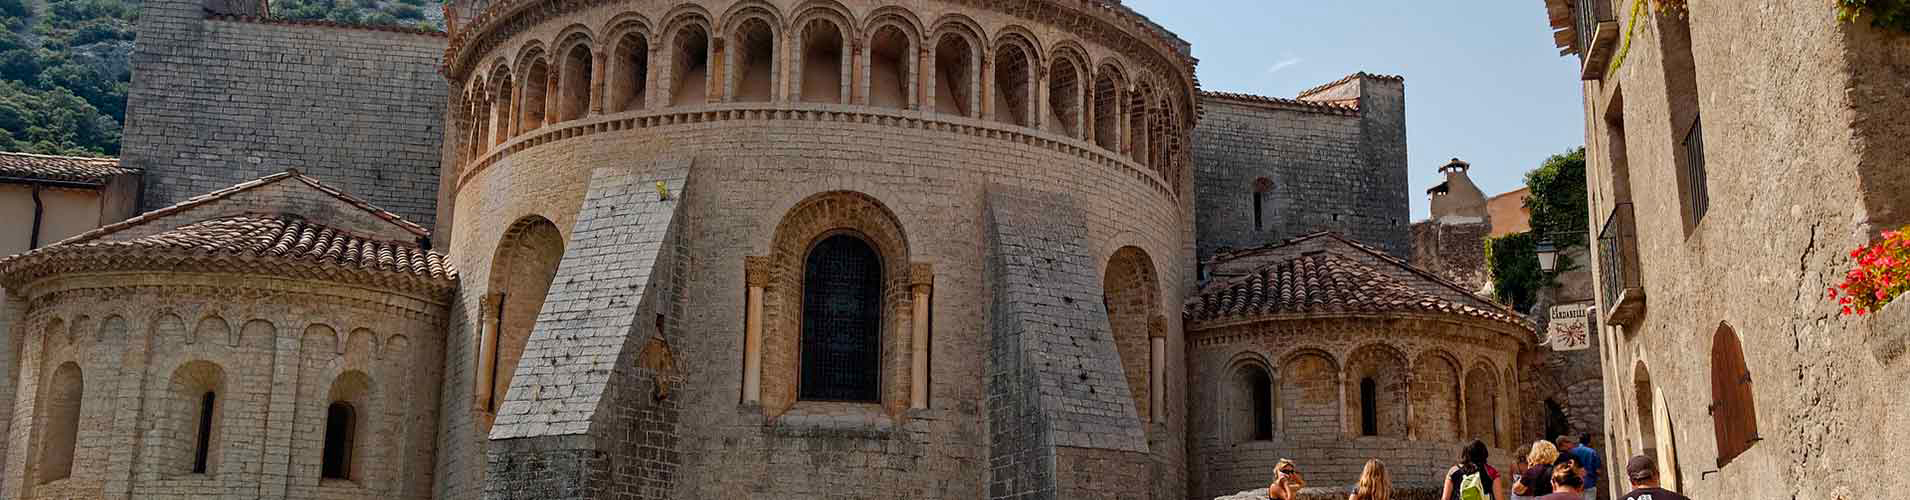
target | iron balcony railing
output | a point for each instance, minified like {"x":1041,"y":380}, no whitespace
{"x":1621,"y":296}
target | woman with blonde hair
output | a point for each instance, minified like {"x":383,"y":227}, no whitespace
{"x":1286,"y":482}
{"x":1536,"y":480}
{"x":1374,"y":483}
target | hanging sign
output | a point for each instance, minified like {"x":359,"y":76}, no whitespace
{"x":1569,"y":330}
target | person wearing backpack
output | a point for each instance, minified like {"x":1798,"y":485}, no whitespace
{"x":1469,"y":480}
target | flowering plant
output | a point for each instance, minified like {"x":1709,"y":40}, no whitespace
{"x":1882,"y":273}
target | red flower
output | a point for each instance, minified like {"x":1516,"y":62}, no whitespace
{"x":1846,"y":310}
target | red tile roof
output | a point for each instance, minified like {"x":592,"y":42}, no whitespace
{"x":275,"y":244}
{"x":71,"y":169}
{"x":1318,"y":283}
{"x":1336,"y":108}
{"x":1347,"y":78}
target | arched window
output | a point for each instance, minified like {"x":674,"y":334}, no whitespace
{"x":1011,"y":84}
{"x":629,"y":73}
{"x":1130,"y":289}
{"x":755,"y":65}
{"x":501,"y":108}
{"x":202,"y":442}
{"x":61,"y":423}
{"x":575,"y":82}
{"x":1107,"y":110}
{"x":521,"y":273}
{"x":1137,"y":125}
{"x":341,"y":427}
{"x":841,"y":321}
{"x":889,"y":74}
{"x":954,"y":63}
{"x":1733,"y":405}
{"x":1369,"y":407}
{"x":1261,"y":189}
{"x":822,"y":62}
{"x":1064,"y":97}
{"x":689,"y":66}
{"x":536,"y":82}
{"x":1482,"y":405}
{"x":1250,"y":403}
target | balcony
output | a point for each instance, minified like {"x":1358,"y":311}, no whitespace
{"x":1622,"y":294}
{"x":1597,"y":31}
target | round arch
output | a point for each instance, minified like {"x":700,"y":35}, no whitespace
{"x":1130,"y":290}
{"x":1378,"y":408}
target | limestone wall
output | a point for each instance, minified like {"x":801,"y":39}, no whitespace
{"x":143,"y":349}
{"x":1799,"y":156}
{"x":1440,"y":384}
{"x":218,"y":101}
{"x":1327,"y":171}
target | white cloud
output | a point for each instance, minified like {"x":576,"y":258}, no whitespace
{"x":1283,"y":64}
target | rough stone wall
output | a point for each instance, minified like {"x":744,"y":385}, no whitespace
{"x":215,"y":102}
{"x":1329,"y":172}
{"x":1307,"y":359}
{"x":1456,"y":252}
{"x":578,"y":422}
{"x":12,"y":335}
{"x":276,"y":351}
{"x":1059,"y":400}
{"x":1781,"y":158}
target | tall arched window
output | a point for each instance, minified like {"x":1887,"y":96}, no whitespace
{"x":1250,"y":397}
{"x":841,"y":321}
{"x":521,"y":273}
{"x":1107,"y":109}
{"x":202,"y":441}
{"x":64,"y":391}
{"x":1137,"y":123}
{"x":689,"y":66}
{"x":754,"y":67}
{"x":954,"y":63}
{"x":1011,"y":84}
{"x":1733,"y":405}
{"x":341,"y":427}
{"x":889,"y":67}
{"x":629,"y":73}
{"x":1262,"y":187}
{"x":1064,"y":97}
{"x":822,"y":62}
{"x":1369,"y":407}
{"x":574,"y":80}
{"x":501,"y":107}
{"x":536,"y":83}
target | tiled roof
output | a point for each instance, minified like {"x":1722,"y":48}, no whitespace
{"x":243,"y":187}
{"x":1337,"y":108}
{"x":1320,"y":283}
{"x":275,"y":244}
{"x":74,"y":169}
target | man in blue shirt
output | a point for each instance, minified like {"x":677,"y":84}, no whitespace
{"x":1587,"y":459}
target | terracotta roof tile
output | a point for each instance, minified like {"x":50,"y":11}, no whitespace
{"x":1347,"y":78}
{"x":1322,"y":282}
{"x":234,"y":189}
{"x":75,"y":169}
{"x":277,"y":244}
{"x":1334,"y":107}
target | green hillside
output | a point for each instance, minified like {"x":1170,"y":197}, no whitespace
{"x":65,"y":65}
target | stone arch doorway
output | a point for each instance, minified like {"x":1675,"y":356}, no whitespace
{"x":1130,"y":290}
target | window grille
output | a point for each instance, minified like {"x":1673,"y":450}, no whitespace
{"x":841,"y":321}
{"x":1698,"y":190}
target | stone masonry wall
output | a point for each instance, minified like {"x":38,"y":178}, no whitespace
{"x":1329,"y":172}
{"x":275,"y":352}
{"x":215,"y":102}
{"x":1796,"y":155}
{"x":1055,"y":379}
{"x":1456,"y":252}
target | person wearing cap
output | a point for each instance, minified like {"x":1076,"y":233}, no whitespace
{"x":1643,"y":471}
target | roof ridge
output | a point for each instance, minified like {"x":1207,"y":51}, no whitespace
{"x":374,"y":210}
{"x":1303,"y":105}
{"x":181,"y":206}
{"x":1423,"y":273}
{"x":113,"y":159}
{"x":1348,"y":78}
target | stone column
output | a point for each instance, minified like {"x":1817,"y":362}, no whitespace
{"x":921,"y":283}
{"x":984,"y":92}
{"x":1340,"y":378}
{"x":652,"y":78}
{"x":486,"y":363}
{"x":925,"y":79}
{"x":855,"y":78}
{"x":553,"y":96}
{"x":598,"y":62}
{"x":756,"y":277}
{"x":717,"y":67}
{"x":1157,"y":369}
{"x":1412,"y":425}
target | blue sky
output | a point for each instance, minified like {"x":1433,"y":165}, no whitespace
{"x":1483,"y":82}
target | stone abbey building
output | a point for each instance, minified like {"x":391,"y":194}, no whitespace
{"x":731,"y":249}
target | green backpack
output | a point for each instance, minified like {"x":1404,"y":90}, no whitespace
{"x":1471,"y":487}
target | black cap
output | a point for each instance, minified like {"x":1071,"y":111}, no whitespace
{"x":1641,"y":468}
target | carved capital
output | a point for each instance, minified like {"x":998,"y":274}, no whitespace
{"x":756,"y":271}
{"x":1157,"y":326}
{"x":921,"y":277}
